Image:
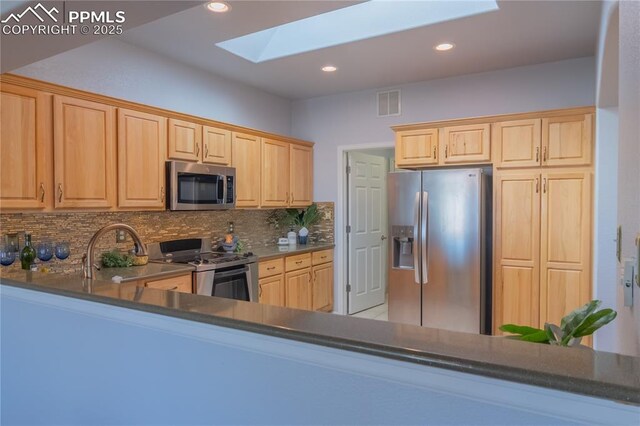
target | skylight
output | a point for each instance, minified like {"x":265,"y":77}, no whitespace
{"x":364,"y":20}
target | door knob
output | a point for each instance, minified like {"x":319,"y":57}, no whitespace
{"x":383,"y":238}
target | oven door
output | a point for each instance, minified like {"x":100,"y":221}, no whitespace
{"x":231,"y":283}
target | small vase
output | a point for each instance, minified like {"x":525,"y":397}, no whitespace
{"x":303,"y":235}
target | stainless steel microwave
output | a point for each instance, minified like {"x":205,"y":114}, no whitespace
{"x":192,"y":186}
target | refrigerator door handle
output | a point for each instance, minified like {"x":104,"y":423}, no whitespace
{"x":416,"y":238}
{"x":424,"y":238}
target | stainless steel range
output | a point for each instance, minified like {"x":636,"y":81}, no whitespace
{"x":220,"y":274}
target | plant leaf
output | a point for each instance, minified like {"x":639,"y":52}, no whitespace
{"x":594,"y":322}
{"x":539,"y":336}
{"x":574,"y":318}
{"x":549,"y":330}
{"x":523,"y":330}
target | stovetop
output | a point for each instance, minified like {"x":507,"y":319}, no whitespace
{"x":197,"y":252}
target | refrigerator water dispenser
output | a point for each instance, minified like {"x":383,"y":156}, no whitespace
{"x":402,"y":247}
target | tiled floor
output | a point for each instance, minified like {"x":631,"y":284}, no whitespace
{"x":380,"y":312}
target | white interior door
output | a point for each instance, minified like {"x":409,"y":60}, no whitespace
{"x":366,"y":239}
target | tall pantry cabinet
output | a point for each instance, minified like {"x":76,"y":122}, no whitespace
{"x":542,"y":218}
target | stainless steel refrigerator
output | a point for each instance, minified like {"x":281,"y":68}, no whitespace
{"x":440,"y":254}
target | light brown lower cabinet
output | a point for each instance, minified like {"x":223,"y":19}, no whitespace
{"x":180,"y":283}
{"x":542,"y":245}
{"x":271,"y":290}
{"x":302,"y":281}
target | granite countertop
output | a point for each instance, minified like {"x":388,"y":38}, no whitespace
{"x":272,"y":252}
{"x":581,"y":371}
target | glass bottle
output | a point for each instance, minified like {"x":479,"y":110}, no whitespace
{"x":28,"y":253}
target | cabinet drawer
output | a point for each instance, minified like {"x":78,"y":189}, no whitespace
{"x":181,"y":283}
{"x":293,"y":263}
{"x":324,"y":256}
{"x":269,"y":268}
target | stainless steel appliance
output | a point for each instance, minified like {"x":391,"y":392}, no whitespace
{"x":440,"y":254}
{"x":229,"y":275}
{"x":192,"y":186}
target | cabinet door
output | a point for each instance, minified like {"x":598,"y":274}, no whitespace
{"x":25,"y":148}
{"x":216,"y":146}
{"x":271,"y":290}
{"x":517,"y":249}
{"x":301,"y":173}
{"x":181,"y":283}
{"x":323,"y":287}
{"x":298,"y":289}
{"x":567,"y":141}
{"x":185,"y":140}
{"x":467,"y":144}
{"x":245,"y":157}
{"x":417,"y":147}
{"x":275,"y":173}
{"x":517,"y":143}
{"x":84,"y":153}
{"x":142,"y":148}
{"x":565,"y":282}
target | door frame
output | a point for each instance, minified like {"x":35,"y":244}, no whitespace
{"x":341,"y":252}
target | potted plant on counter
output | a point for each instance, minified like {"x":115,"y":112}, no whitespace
{"x":579,"y":323}
{"x":304,"y":219}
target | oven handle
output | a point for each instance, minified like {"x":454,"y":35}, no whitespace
{"x":224,"y":188}
{"x":230,"y":273}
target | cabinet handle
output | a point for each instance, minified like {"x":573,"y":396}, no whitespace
{"x":206,"y":150}
{"x":162,"y":193}
{"x":298,"y":262}
{"x":292,"y":199}
{"x":537,"y":154}
{"x":271,"y":268}
{"x":544,"y":185}
{"x":174,"y":288}
{"x":197,"y":149}
{"x":544,"y":154}
{"x":60,"y":192}
{"x":446,"y":152}
{"x":42,"y":195}
{"x":434,"y":153}
{"x":537,"y":185}
{"x":260,"y":290}
{"x":323,"y":257}
{"x":287,"y":198}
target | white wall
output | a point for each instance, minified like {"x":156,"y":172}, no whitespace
{"x":348,"y":121}
{"x":71,"y":361}
{"x":350,"y":118}
{"x":114,"y":68}
{"x":629,"y":164}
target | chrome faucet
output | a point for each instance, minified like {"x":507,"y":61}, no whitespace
{"x":87,"y":259}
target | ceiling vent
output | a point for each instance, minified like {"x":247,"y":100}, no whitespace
{"x":388,"y":103}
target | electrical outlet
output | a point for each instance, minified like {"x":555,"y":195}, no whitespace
{"x":121,"y":236}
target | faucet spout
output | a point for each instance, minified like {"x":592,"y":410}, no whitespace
{"x":88,"y":258}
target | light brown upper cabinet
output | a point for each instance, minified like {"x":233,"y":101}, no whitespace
{"x":417,"y":147}
{"x":25,"y":148}
{"x":84,"y":153}
{"x":565,"y":282}
{"x":275,"y":173}
{"x":246,"y":158}
{"x":567,"y":140}
{"x":466,"y":144}
{"x":301,"y":175}
{"x":517,"y":143}
{"x":216,"y":146}
{"x":142,"y":148}
{"x":185,"y":140}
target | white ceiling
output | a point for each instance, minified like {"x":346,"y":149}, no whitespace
{"x":520,"y":33}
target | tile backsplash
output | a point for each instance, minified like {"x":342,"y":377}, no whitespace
{"x":255,"y":228}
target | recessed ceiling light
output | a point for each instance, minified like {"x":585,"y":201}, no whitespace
{"x":329,"y":68}
{"x":443,"y":47}
{"x":218,"y":6}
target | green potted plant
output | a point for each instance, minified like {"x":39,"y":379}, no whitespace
{"x":579,"y":323}
{"x":303,"y":218}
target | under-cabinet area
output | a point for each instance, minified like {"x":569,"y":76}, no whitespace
{"x":72,"y":150}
